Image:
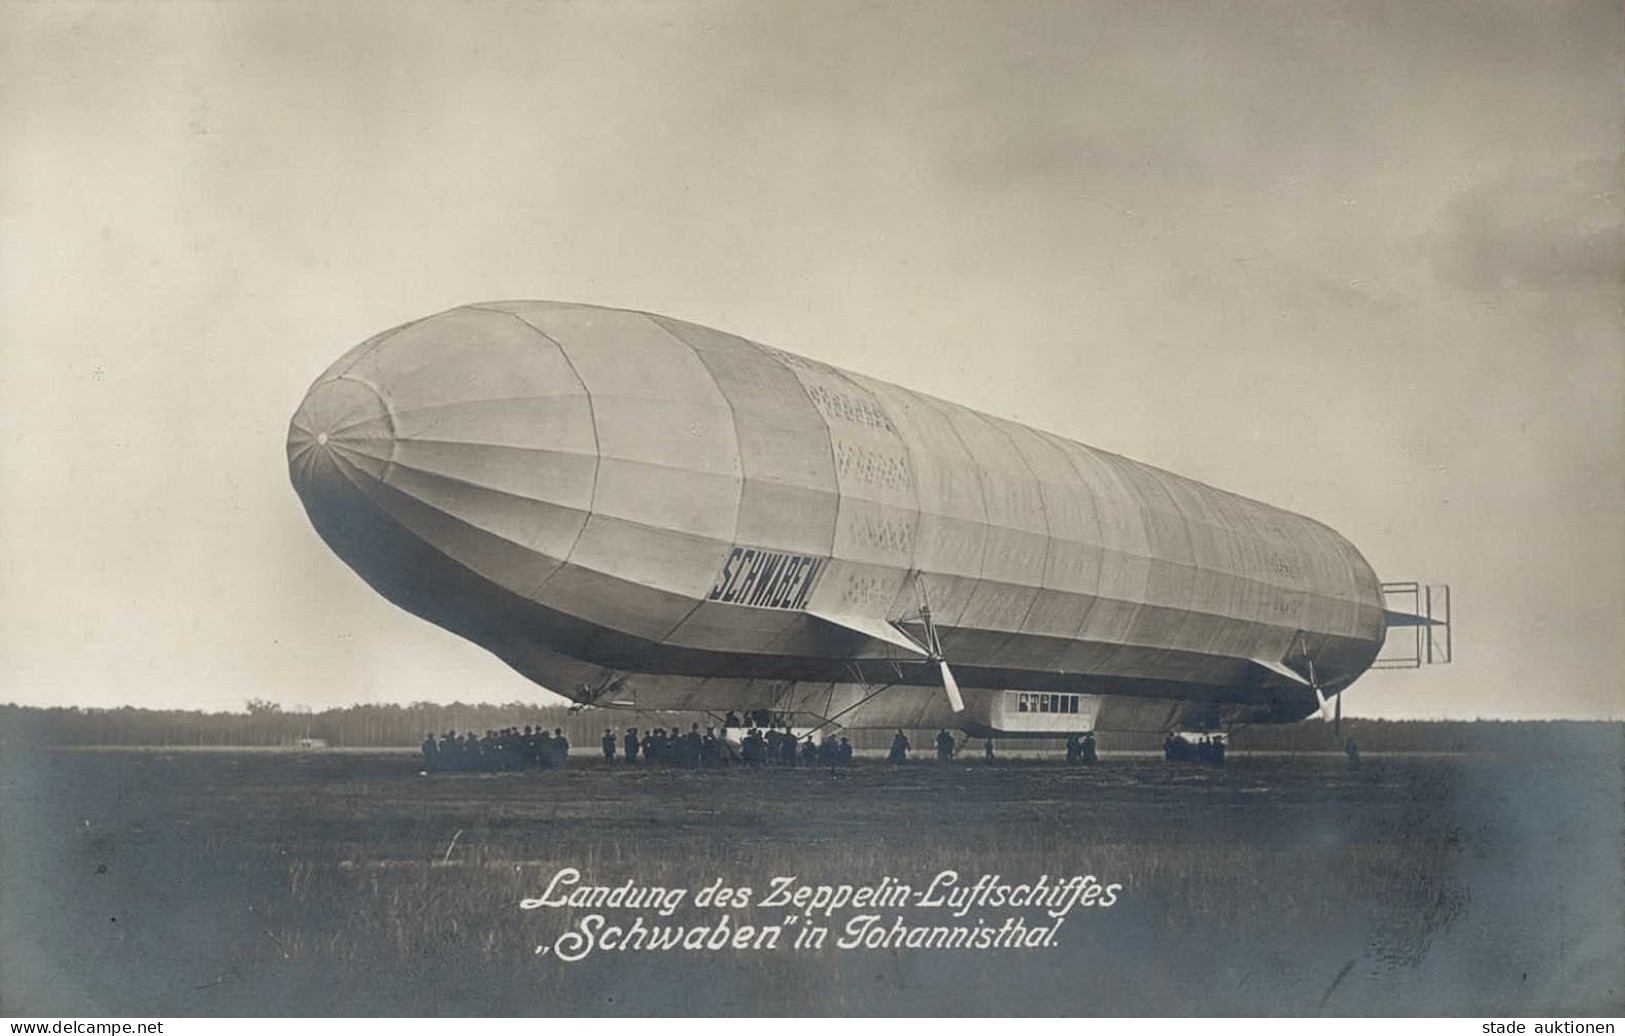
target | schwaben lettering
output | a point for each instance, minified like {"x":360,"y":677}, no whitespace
{"x":766,"y":579}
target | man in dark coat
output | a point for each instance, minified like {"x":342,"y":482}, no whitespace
{"x":899,"y":749}
{"x":754,"y":747}
{"x":829,"y":753}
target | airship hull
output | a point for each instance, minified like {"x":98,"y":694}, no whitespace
{"x":630,"y":509}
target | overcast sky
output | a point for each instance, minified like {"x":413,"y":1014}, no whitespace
{"x":1363,"y":261}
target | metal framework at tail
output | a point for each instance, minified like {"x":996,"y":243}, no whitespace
{"x":1418,"y":626}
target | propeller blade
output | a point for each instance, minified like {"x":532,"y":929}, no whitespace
{"x":1337,"y":717}
{"x":1324,"y":714}
{"x":951,"y":685}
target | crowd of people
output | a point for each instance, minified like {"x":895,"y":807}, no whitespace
{"x":1207,"y":749}
{"x":507,"y":749}
{"x":1080,"y":748}
{"x":536,"y":748}
{"x":758,"y":747}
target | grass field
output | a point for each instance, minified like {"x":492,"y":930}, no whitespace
{"x":153,"y":882}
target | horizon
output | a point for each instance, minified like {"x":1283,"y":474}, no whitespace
{"x":305,"y":709}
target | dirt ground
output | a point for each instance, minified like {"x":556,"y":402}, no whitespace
{"x":230,"y":883}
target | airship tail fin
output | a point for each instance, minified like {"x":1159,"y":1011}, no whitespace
{"x":1419,"y":634}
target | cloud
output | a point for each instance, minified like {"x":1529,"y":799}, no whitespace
{"x":1544,"y":231}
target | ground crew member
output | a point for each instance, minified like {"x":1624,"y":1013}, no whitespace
{"x":754,"y":747}
{"x":561,"y":747}
{"x":609,"y":745}
{"x":431,"y":753}
{"x":846,"y":751}
{"x":987,"y":750}
{"x":829,"y":753}
{"x":629,"y":744}
{"x":945,"y":745}
{"x":899,"y":749}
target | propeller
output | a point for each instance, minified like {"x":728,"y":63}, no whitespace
{"x":1314,"y":685}
{"x":949,"y":684}
{"x":1335,"y":717}
{"x":933,"y":651}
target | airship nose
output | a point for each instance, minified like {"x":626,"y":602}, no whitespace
{"x":343,"y":429}
{"x":467,"y":434}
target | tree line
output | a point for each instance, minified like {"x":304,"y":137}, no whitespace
{"x":269,"y":725}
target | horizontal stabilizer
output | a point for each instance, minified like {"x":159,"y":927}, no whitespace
{"x":875,"y":629}
{"x":1407,"y":619}
{"x":1280,"y":669}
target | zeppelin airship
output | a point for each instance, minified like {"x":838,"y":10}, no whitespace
{"x":638,"y":512}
